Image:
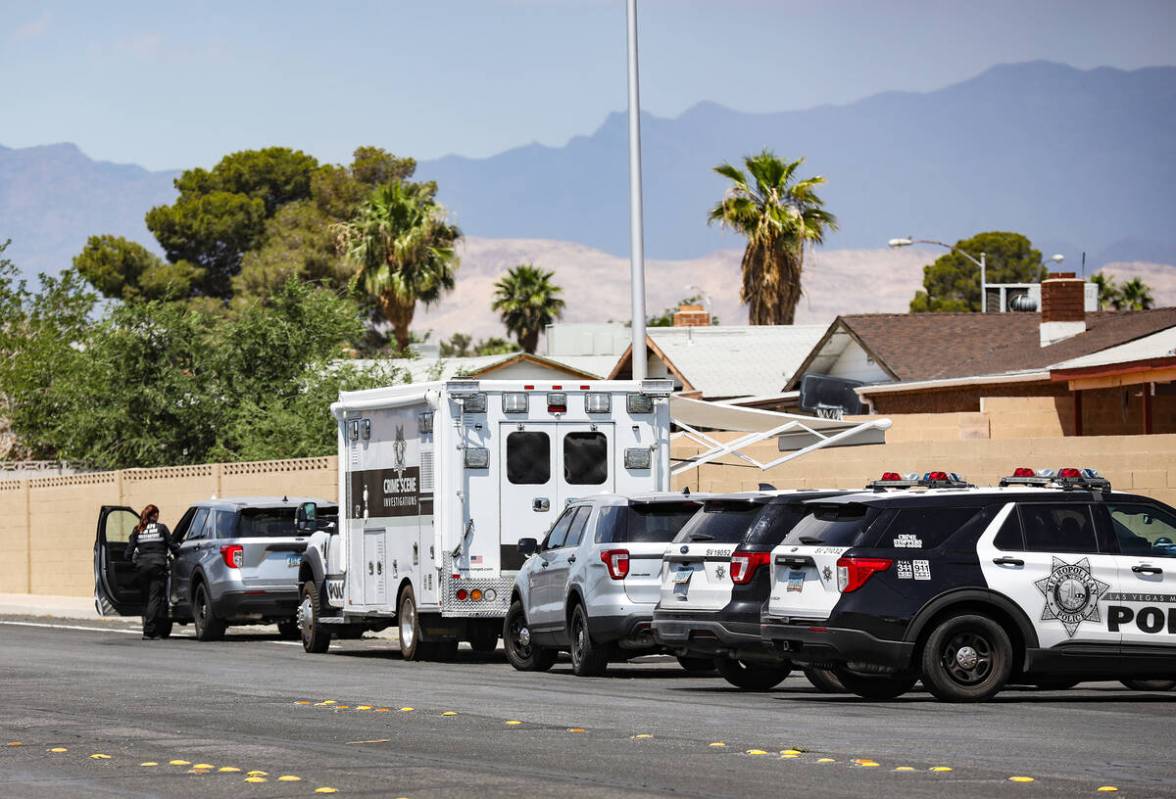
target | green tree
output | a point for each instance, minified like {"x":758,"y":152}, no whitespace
{"x":126,"y":270}
{"x":297,"y":243}
{"x":778,"y":214}
{"x":1108,"y":292}
{"x":952,"y":282}
{"x":339,"y":191}
{"x":527,"y":301}
{"x":404,"y":248}
{"x":1135,"y":296}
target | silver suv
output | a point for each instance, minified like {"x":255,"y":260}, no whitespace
{"x":238,"y":564}
{"x":590,"y":587}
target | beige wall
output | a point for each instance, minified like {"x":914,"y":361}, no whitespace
{"x":1141,"y":464}
{"x":48,"y":524}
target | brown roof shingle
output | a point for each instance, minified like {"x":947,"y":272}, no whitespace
{"x":944,"y":345}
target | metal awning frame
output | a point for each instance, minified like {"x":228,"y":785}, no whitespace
{"x":719,"y":449}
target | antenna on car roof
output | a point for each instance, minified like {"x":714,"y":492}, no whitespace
{"x":686,"y":491}
{"x":285,"y":498}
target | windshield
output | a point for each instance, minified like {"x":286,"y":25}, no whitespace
{"x":277,"y":522}
{"x":776,"y":521}
{"x":722,"y":522}
{"x":845,"y":525}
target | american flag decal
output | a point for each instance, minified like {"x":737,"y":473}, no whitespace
{"x":475,"y":560}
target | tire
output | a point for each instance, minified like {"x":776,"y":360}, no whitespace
{"x":825,"y":681}
{"x":316,"y":638}
{"x":697,"y":665}
{"x":1150,"y":685}
{"x":349,"y":633}
{"x":483,"y":639}
{"x":967,"y":658}
{"x":289,"y":630}
{"x":1055,"y":683}
{"x":204,"y":618}
{"x":874,"y":686}
{"x":751,"y":676}
{"x":588,"y":658}
{"x":164,"y":628}
{"x":516,"y":640}
{"x":409,"y":624}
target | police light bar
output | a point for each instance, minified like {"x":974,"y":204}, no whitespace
{"x":894,"y":480}
{"x":944,"y":480}
{"x":1024,"y":476}
{"x":1070,"y":477}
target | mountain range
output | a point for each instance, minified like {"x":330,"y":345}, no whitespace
{"x":1079,"y":160}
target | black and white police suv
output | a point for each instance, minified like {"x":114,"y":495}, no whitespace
{"x":1049,"y":579}
{"x":714,"y":582}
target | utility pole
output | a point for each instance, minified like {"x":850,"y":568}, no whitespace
{"x":636,"y":224}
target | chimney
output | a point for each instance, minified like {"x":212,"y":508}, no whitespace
{"x":1063,"y":307}
{"x":691,"y":316}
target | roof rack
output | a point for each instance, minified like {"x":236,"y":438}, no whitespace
{"x":1067,"y":479}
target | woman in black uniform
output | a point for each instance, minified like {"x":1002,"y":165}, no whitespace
{"x":148,"y":549}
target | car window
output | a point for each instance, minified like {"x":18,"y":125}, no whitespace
{"x":643,"y":522}
{"x":775,"y":522}
{"x":1144,"y":530}
{"x":720,"y":521}
{"x":528,"y":458}
{"x":267,"y":523}
{"x":559,"y":532}
{"x":585,"y":458}
{"x":842,"y":525}
{"x":925,"y":528}
{"x":196,"y":529}
{"x":183,"y":524}
{"x":576,"y":531}
{"x":119,"y":525}
{"x":1058,"y":528}
{"x":1010,"y":538}
{"x":225,"y":524}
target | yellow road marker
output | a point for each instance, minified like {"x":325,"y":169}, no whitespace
{"x":256,"y":773}
{"x":940,"y":768}
{"x":325,"y":789}
{"x":179,"y":762}
{"x":756,"y":752}
{"x":342,"y":707}
{"x":289,"y":778}
{"x":449,"y":713}
{"x":792,"y":751}
{"x":1108,"y":789}
{"x":15,"y":744}
{"x":381,"y":710}
{"x":327,"y":702}
{"x":229,"y":770}
{"x":576,"y":730}
{"x":363,"y":707}
{"x":512,"y":722}
{"x":256,"y":779}
{"x":203,"y":766}
{"x":826,"y":760}
{"x":302,"y":702}
{"x":789,"y":757}
{"x":868,"y":763}
{"x":149,"y":764}
{"x":905,"y":768}
{"x":642,"y":736}
{"x":717,"y":745}
{"x":1021,"y":779}
{"x":59,"y":749}
{"x":97,"y":756}
{"x":407,"y":709}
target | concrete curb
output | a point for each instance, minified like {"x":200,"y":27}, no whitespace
{"x":57,"y":607}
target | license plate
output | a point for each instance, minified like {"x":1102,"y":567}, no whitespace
{"x":795,"y":581}
{"x":683,"y":575}
{"x":293,"y":561}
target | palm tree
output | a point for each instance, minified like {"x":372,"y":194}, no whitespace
{"x":1109,"y":292}
{"x":527,"y":301}
{"x":1135,"y":295}
{"x":404,"y":248}
{"x":778,"y":214}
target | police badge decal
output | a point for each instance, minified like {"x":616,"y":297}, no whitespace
{"x":1071,"y":594}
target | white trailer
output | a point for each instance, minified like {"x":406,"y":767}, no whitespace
{"x":439,"y":481}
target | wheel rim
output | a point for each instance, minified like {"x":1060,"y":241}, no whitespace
{"x":306,"y":617}
{"x":407,"y":624}
{"x":201,"y":608}
{"x":578,"y":636}
{"x":520,"y":637}
{"x":967,"y":658}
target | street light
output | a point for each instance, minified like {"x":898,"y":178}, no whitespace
{"x":982,"y":263}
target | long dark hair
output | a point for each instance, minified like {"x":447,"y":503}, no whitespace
{"x":145,"y":517}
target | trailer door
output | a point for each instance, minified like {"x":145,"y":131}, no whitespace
{"x":585,"y":460}
{"x":528,"y":499}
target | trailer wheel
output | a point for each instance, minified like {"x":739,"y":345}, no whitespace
{"x":316,"y":638}
{"x":412,"y":647}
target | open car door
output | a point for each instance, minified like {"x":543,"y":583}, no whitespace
{"x":116,"y":587}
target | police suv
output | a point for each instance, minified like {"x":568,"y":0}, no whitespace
{"x":1049,"y":579}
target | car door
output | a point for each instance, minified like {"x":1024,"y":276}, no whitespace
{"x":193,"y":538}
{"x":1052,"y":560}
{"x":1144,"y":608}
{"x":117,"y":590}
{"x":560,"y":569}
{"x":542,"y":586}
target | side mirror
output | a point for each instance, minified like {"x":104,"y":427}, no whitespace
{"x":305,"y":517}
{"x":528,"y":547}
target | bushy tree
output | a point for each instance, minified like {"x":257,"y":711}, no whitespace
{"x":952,"y":282}
{"x":527,"y":300}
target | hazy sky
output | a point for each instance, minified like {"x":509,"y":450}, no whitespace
{"x":171,"y":85}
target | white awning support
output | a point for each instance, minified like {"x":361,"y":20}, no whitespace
{"x":797,"y":435}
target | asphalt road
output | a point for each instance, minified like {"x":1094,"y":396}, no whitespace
{"x":362,"y":722}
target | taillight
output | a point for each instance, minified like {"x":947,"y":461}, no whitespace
{"x":557,"y":402}
{"x":744,"y":564}
{"x":234,"y":555}
{"x":617,"y":561}
{"x":852,"y":573}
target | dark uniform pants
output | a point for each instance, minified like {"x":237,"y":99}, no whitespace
{"x":154,"y":577}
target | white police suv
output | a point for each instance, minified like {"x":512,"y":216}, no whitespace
{"x":1049,"y":579}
